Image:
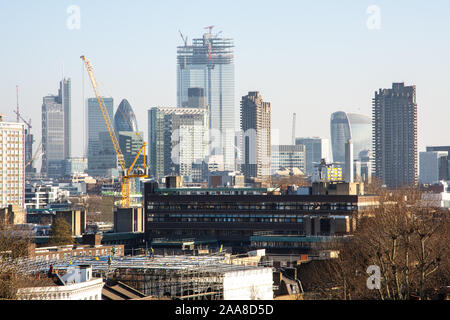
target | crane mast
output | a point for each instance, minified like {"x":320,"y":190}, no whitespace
{"x":126,"y":173}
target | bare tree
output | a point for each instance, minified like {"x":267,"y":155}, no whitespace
{"x":405,"y":239}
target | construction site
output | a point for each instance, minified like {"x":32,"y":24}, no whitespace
{"x":185,"y":277}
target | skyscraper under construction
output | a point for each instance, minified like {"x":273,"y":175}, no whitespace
{"x":208,"y":63}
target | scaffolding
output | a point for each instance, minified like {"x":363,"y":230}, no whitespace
{"x":174,"y":277}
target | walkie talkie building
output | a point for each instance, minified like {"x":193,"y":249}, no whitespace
{"x":208,"y":63}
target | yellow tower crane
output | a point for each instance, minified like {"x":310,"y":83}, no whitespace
{"x":126,"y":174}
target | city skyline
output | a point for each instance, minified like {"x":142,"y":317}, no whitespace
{"x":339,"y":54}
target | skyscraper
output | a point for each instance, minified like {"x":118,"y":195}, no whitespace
{"x":125,"y":119}
{"x":127,"y":133}
{"x":433,"y":166}
{"x":101,"y":154}
{"x":53,"y":139}
{"x":178,"y":138}
{"x":288,"y":157}
{"x":256,"y":126}
{"x":444,"y":162}
{"x":196,"y":98}
{"x":65,"y":99}
{"x":345,"y":126}
{"x":394,"y":129}
{"x":208,"y":63}
{"x":56,"y":130}
{"x":316,"y":149}
{"x":12,"y":163}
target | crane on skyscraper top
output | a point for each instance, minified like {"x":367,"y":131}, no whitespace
{"x":126,"y":173}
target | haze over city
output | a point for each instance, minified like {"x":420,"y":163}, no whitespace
{"x":311,"y":58}
{"x":246,"y":151}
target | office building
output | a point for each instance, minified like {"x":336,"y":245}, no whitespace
{"x":394,"y":129}
{"x":433,"y":166}
{"x":75,"y":165}
{"x":363,"y":166}
{"x":130,"y":143}
{"x":178,"y":138}
{"x":256,"y":140}
{"x":125,"y":119}
{"x":30,"y":170}
{"x":288,"y":157}
{"x":231,"y":216}
{"x":96,"y":122}
{"x":208,"y":63}
{"x":65,"y":99}
{"x":101,"y":154}
{"x":196,"y":98}
{"x":103,"y":163}
{"x":56,"y":130}
{"x":12,"y":164}
{"x":344,"y":126}
{"x":53,"y":139}
{"x":128,"y":135}
{"x":444,"y":162}
{"x":316,"y":149}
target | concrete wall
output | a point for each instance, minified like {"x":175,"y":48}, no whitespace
{"x":252,"y":284}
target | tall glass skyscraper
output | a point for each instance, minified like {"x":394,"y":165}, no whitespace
{"x":345,"y":126}
{"x":208,"y":63}
{"x":125,"y":119}
{"x":52,"y":137}
{"x":127,"y":133}
{"x":101,"y":154}
{"x":65,"y":99}
{"x":178,"y":139}
{"x":56,"y":130}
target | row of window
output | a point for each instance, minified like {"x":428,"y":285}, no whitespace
{"x":272,"y":206}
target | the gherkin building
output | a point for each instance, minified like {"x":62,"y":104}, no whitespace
{"x":124,"y":119}
{"x":130,"y":139}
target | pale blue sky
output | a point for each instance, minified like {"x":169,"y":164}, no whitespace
{"x":308,"y":57}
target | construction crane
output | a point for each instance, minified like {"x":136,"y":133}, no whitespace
{"x":126,"y":173}
{"x":19,"y":116}
{"x":209,"y":27}
{"x":28,"y":123}
{"x":185,"y":39}
{"x":35,"y":154}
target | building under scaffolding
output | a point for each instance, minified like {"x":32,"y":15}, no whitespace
{"x":205,"y":282}
{"x":208,"y":65}
{"x":212,"y":277}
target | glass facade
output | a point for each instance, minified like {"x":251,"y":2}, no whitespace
{"x":125,"y":119}
{"x":288,"y":156}
{"x":65,"y":99}
{"x":178,"y":138}
{"x":345,"y":126}
{"x":56,"y":130}
{"x":316,"y":149}
{"x":96,"y":122}
{"x":101,"y":155}
{"x":209,"y":64}
{"x":52,"y":137}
